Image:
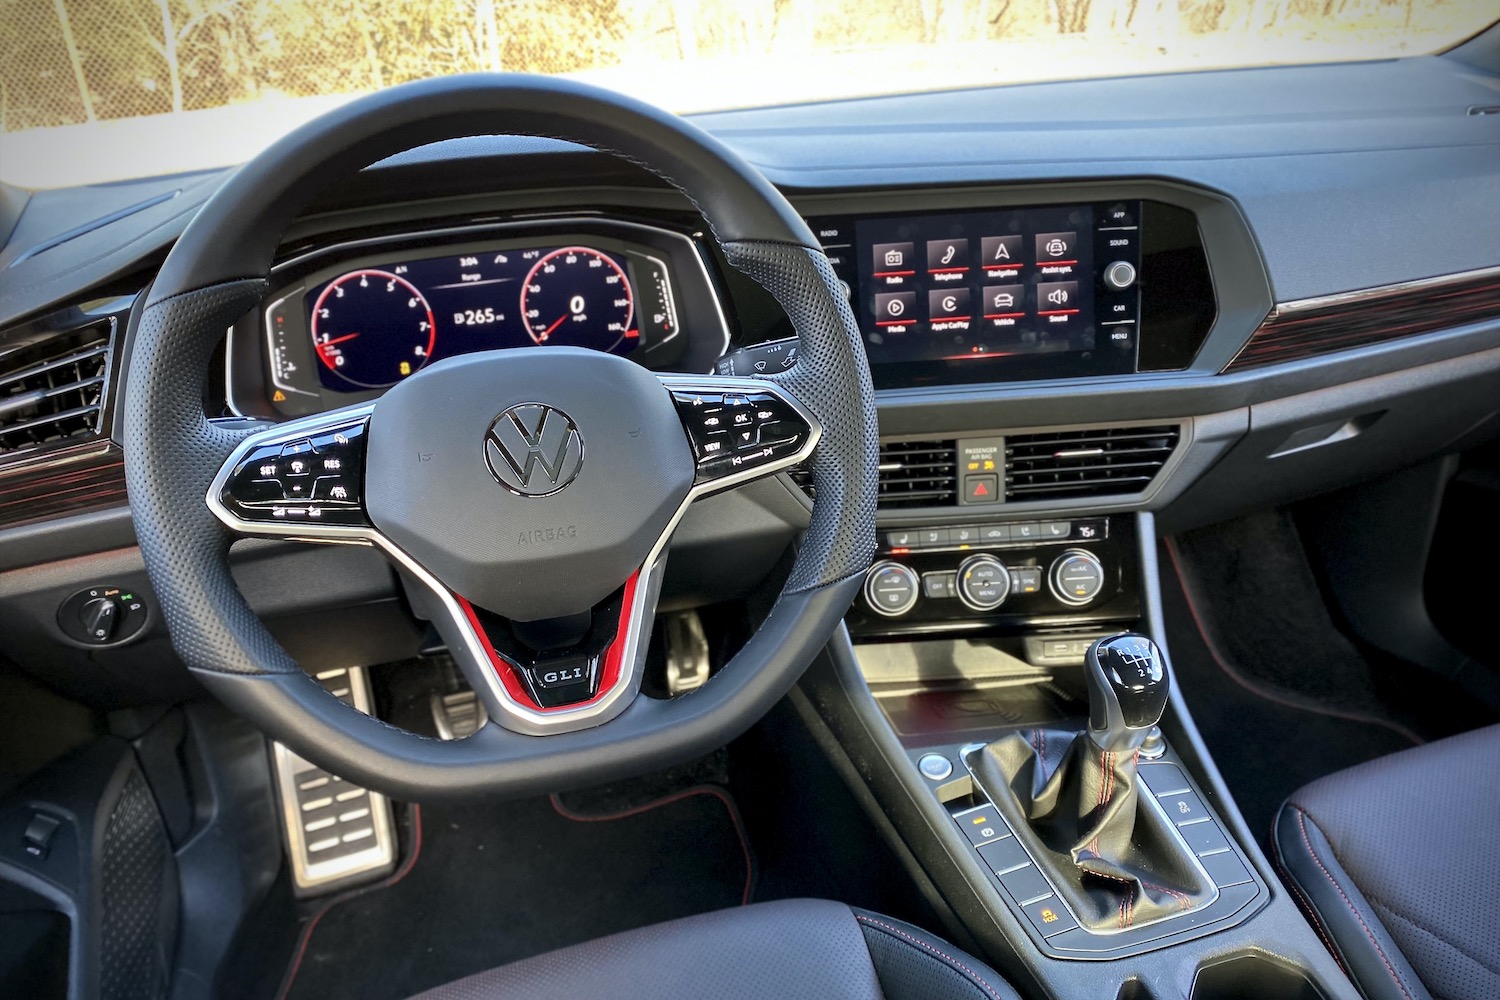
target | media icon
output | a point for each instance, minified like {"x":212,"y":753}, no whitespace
{"x":894,"y":259}
{"x":895,"y":308}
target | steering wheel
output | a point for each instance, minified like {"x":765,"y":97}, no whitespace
{"x":527,"y":496}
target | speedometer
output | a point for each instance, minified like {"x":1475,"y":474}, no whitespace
{"x":372,"y":328}
{"x":578,"y":297}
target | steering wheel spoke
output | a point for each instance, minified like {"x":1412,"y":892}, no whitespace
{"x":741,"y":429}
{"x":305,"y":478}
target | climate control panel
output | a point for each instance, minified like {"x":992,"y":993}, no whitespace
{"x":999,"y":574}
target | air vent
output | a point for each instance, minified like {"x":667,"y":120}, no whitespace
{"x":1069,"y":465}
{"x":912,"y":474}
{"x":52,"y":390}
{"x":918,"y":474}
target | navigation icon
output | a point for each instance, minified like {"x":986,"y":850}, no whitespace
{"x":1001,"y":253}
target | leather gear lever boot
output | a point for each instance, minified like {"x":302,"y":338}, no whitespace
{"x":1076,"y":801}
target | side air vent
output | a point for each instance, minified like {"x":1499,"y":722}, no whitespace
{"x":52,"y":390}
{"x":918,"y":474}
{"x":1069,"y":465}
{"x":912,"y":474}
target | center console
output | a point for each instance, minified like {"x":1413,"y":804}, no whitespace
{"x":1000,"y":696}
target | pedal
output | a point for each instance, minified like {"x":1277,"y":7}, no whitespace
{"x":687,"y":652}
{"x":337,"y":833}
{"x":457,"y":715}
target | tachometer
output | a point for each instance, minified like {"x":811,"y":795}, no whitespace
{"x":578,"y":297}
{"x":372,"y":328}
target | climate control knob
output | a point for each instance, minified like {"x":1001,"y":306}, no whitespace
{"x":1076,"y":577}
{"x":983,"y":582}
{"x":891,"y":588}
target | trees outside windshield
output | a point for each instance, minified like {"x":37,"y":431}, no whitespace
{"x":73,"y":62}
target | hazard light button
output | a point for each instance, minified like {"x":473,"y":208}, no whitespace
{"x":981,"y":489}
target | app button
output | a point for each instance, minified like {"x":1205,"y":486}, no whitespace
{"x":948,"y":255}
{"x":895,"y":258}
{"x":895,"y":308}
{"x":1056,"y":248}
{"x":1004,"y":300}
{"x":1056,"y":297}
{"x":948,"y":304}
{"x":1000,"y":253}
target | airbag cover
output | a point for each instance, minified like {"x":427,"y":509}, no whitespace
{"x":577,"y":496}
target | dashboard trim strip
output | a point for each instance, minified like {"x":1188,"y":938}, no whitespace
{"x":1311,"y":327}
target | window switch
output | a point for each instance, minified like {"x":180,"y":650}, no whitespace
{"x":37,"y":840}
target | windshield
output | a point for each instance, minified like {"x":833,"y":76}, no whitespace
{"x":102,"y":90}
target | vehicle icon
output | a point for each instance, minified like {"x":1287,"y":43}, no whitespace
{"x":1004,"y":300}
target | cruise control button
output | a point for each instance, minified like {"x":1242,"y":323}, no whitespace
{"x":294,"y":448}
{"x":300,"y":488}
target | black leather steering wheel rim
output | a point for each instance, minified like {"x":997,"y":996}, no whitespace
{"x":218,"y":270}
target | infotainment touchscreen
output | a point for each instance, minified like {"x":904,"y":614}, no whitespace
{"x":1027,"y":292}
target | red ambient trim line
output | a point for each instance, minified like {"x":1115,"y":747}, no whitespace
{"x":609,"y":673}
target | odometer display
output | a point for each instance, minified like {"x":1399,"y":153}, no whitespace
{"x":374,"y":326}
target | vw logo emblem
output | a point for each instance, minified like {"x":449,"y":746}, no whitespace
{"x":533,"y":450}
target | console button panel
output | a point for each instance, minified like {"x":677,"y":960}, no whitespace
{"x":1024,"y":886}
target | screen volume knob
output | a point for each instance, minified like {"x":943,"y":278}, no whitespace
{"x":983,"y":582}
{"x":891,"y":588}
{"x":1120,"y":275}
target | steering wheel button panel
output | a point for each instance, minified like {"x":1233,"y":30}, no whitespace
{"x":307,"y":479}
{"x":742,"y":433}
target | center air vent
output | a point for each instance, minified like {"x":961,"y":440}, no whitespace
{"x":918,"y":474}
{"x":52,"y":390}
{"x":1069,"y":465}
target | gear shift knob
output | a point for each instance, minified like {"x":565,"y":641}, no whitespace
{"x":1128,"y":688}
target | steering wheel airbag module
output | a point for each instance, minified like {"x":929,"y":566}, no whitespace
{"x":530,"y":493}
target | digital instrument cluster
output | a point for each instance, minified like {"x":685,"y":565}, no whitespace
{"x":348,"y":331}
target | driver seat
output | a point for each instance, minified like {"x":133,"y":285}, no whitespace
{"x":790,"y":949}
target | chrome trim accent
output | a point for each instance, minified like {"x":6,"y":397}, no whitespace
{"x":471,"y":652}
{"x":533,"y":223}
{"x":1379,"y":291}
